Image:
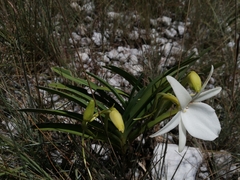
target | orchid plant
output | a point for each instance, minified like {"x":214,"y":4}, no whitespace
{"x":111,"y":115}
{"x":198,"y":118}
{"x":115,"y":118}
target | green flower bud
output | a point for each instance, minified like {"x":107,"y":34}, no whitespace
{"x":170,"y":97}
{"x":194,"y":81}
{"x":116,"y":118}
{"x":88,"y":113}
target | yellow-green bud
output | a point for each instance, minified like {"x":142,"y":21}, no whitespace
{"x":88,"y":113}
{"x":171,"y":97}
{"x":116,"y":118}
{"x":194,"y":81}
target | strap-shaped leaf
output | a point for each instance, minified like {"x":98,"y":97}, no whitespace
{"x":149,"y":124}
{"x":69,"y":114}
{"x":68,"y":75}
{"x":82,"y":102}
{"x":112,"y":89}
{"x":143,"y":102}
{"x":80,"y":92}
{"x":136,"y":88}
{"x":103,"y":99}
{"x":108,"y":100}
{"x":130,"y":78}
{"x":65,"y":128}
{"x":96,"y":127}
{"x":159,"y":84}
{"x":77,"y":130}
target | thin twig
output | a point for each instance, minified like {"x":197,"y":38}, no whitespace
{"x":237,"y":40}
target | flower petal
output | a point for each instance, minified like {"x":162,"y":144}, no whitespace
{"x":208,"y":78}
{"x":207,"y":94}
{"x":205,"y":83}
{"x":182,"y":94}
{"x":182,"y":136}
{"x":169,"y":126}
{"x":201,"y":121}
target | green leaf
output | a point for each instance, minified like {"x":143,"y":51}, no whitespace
{"x":162,"y":117}
{"x":69,"y":114}
{"x":107,"y":100}
{"x":67,"y":74}
{"x":78,"y":91}
{"x":77,"y":130}
{"x":71,"y":97}
{"x":64,"y":128}
{"x":143,"y":102}
{"x":130,"y":78}
{"x":35,"y":166}
{"x":97,"y":127}
{"x":119,"y":91}
{"x":111,"y":88}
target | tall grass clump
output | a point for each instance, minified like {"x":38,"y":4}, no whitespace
{"x":30,"y":43}
{"x":215,"y":27}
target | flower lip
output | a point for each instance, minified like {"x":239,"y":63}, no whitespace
{"x":201,"y":121}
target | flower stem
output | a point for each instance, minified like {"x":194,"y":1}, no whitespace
{"x":83,"y":151}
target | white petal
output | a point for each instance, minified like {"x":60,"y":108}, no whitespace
{"x":182,"y":136}
{"x":207,"y":94}
{"x":205,"y":83}
{"x":208,"y":78}
{"x":169,"y":126}
{"x":182,"y":94}
{"x":201,"y":121}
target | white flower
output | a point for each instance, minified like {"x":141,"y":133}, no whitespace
{"x":199,"y":119}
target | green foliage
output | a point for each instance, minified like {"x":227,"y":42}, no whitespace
{"x":140,"y":108}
